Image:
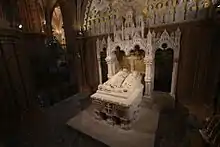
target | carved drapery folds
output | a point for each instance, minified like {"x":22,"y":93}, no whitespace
{"x":103,"y":17}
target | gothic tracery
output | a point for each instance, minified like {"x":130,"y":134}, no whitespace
{"x":154,"y":13}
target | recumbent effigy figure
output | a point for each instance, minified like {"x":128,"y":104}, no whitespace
{"x":117,"y":101}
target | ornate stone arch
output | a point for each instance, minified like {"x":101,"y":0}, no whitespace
{"x":127,"y":46}
{"x":141,"y":42}
{"x":173,"y":42}
{"x":164,"y":38}
{"x":103,"y":44}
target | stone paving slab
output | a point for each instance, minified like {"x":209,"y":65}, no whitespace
{"x":142,"y":134}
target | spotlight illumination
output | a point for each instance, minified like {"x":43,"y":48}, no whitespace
{"x":218,"y":6}
{"x":20,"y":26}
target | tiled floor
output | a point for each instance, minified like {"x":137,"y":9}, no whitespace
{"x":46,"y":128}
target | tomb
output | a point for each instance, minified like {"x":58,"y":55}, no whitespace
{"x":118,"y":100}
{"x":122,"y":111}
{"x":131,"y":57}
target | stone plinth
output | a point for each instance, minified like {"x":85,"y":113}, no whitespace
{"x":142,"y":133}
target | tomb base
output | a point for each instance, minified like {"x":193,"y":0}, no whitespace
{"x":141,"y":134}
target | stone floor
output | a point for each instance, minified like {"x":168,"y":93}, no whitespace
{"x":46,"y":128}
{"x":178,"y":128}
{"x":141,"y":134}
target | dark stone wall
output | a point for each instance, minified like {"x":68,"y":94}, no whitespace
{"x":16,"y":94}
{"x":91,"y":63}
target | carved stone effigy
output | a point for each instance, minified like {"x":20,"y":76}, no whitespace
{"x":117,"y":101}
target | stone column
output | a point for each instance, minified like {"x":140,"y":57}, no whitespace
{"x":148,"y":76}
{"x":109,"y":63}
{"x":174,"y":77}
{"x":152,"y":73}
{"x":113,"y":64}
{"x":99,"y":59}
{"x":100,"y":68}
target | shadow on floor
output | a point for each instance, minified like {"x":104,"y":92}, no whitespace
{"x":178,"y":128}
{"x":47,"y":127}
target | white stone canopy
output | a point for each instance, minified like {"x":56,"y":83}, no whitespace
{"x":149,"y":44}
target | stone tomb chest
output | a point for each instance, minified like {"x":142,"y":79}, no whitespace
{"x":117,"y":101}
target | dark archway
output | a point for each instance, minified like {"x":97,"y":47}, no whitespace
{"x":163,"y":70}
{"x":104,"y":66}
{"x":120,"y":55}
{"x":139,"y":52}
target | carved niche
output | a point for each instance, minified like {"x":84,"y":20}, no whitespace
{"x":180,"y":12}
{"x":191,"y":10}
{"x":150,"y":16}
{"x":169,"y":14}
{"x":172,"y":41}
{"x":102,"y":15}
{"x":159,"y":14}
{"x":203,"y":9}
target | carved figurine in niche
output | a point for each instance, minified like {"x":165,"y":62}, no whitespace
{"x":139,"y":21}
{"x":107,"y":25}
{"x":169,"y":15}
{"x":202,"y":9}
{"x":102,"y":24}
{"x":127,"y":34}
{"x":140,"y":25}
{"x":151,"y":15}
{"x":129,"y":19}
{"x":180,"y":11}
{"x":117,"y":36}
{"x":191,"y":10}
{"x":118,"y":24}
{"x":159,"y":14}
{"x":129,"y":25}
{"x":112,"y":22}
